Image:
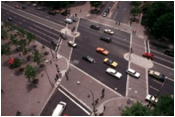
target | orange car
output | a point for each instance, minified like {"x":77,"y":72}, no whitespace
{"x":102,"y":50}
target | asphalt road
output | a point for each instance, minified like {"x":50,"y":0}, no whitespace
{"x":42,"y":33}
{"x":72,"y":109}
{"x":122,"y":13}
{"x":108,"y":4}
{"x":87,"y":43}
{"x":58,"y":18}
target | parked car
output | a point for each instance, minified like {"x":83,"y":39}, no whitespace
{"x":104,"y":14}
{"x":74,"y":19}
{"x":89,"y":59}
{"x":54,"y":42}
{"x":110,"y":62}
{"x":64,"y":36}
{"x":106,"y":39}
{"x":102,"y":51}
{"x":52,"y":12}
{"x":157,"y":75}
{"x":169,"y":52}
{"x":72,"y":44}
{"x":148,"y":55}
{"x":69,"y":21}
{"x":114,"y":73}
{"x":133,"y":73}
{"x":108,"y":31}
{"x":95,"y":27}
{"x":151,"y":99}
{"x":17,"y":7}
{"x":10,"y":19}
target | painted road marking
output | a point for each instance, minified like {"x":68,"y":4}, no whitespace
{"x":146,"y":74}
{"x":157,"y":81}
{"x":42,"y":33}
{"x":74,"y":102}
{"x":163,"y":65}
{"x":45,"y":30}
{"x":164,"y":60}
{"x":96,"y":80}
{"x":153,"y":88}
{"x":115,"y":15}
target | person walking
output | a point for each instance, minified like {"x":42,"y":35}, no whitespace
{"x":103,"y":90}
{"x":119,"y":23}
{"x":66,"y":76}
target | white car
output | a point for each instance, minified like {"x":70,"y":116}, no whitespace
{"x":114,"y":73}
{"x":151,"y":98}
{"x":133,"y":73}
{"x":108,"y":31}
{"x":72,"y":44}
{"x":69,"y":21}
{"x":59,"y":109}
{"x":104,"y":14}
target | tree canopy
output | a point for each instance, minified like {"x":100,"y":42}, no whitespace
{"x":135,"y":11}
{"x":137,"y":109}
{"x":38,"y":57}
{"x":5,"y":49}
{"x":30,"y":72}
{"x":136,"y":3}
{"x":95,"y":3}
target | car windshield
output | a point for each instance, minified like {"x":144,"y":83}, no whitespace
{"x":109,"y":61}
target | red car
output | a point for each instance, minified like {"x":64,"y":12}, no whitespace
{"x":148,"y":55}
{"x":102,"y":51}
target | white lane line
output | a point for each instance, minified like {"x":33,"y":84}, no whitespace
{"x":45,"y":30}
{"x":157,"y":81}
{"x":164,"y":60}
{"x":127,"y":83}
{"x":42,"y":33}
{"x":74,"y":101}
{"x":32,"y":15}
{"x":96,"y":80}
{"x":153,"y":88}
{"x":146,"y":74}
{"x":161,"y":53}
{"x":105,"y":8}
{"x":163,"y":65}
{"x":145,"y":44}
{"x":170,"y":79}
{"x":115,"y":15}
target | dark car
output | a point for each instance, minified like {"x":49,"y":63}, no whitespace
{"x":107,"y":39}
{"x":10,"y":19}
{"x":169,"y":52}
{"x":65,"y":13}
{"x":23,"y":7}
{"x":107,"y":10}
{"x":89,"y":59}
{"x":52,"y":12}
{"x":74,"y":19}
{"x":95,"y":27}
{"x":64,"y":36}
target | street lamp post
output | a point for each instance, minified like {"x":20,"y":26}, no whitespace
{"x":94,"y":110}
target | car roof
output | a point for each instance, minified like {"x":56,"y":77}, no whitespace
{"x":131,"y":70}
{"x":157,"y":73}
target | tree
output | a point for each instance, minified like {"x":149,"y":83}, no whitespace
{"x":12,"y":39}
{"x":30,"y":72}
{"x":22,"y":45}
{"x":3,"y":33}
{"x":95,"y":3}
{"x":164,"y":26}
{"x":5,"y":49}
{"x":157,"y":9}
{"x":30,"y":37}
{"x":38,"y":57}
{"x":137,"y":109}
{"x":136,"y":3}
{"x":164,"y":106}
{"x":16,"y":63}
{"x":135,"y":11}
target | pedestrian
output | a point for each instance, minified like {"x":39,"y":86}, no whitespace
{"x":80,"y":10}
{"x":96,"y":101}
{"x":102,"y":96}
{"x":103,"y":90}
{"x":18,"y":113}
{"x":88,"y":95}
{"x":2,"y":91}
{"x":119,"y":23}
{"x":41,"y":75}
{"x":75,"y":15}
{"x":133,"y":32}
{"x":101,"y":114}
{"x":19,"y":55}
{"x":50,"y":62}
{"x":131,"y":50}
{"x":56,"y":65}
{"x":130,"y":23}
{"x":104,"y":108}
{"x":66,"y":76}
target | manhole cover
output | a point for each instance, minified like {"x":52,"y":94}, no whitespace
{"x":76,"y":61}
